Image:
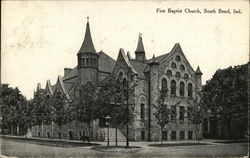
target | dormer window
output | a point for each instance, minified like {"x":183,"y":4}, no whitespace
{"x":173,"y":65}
{"x":178,"y":58}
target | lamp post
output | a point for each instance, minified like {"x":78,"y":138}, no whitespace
{"x":107,"y":123}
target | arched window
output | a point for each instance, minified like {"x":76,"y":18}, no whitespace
{"x":173,"y":87}
{"x":83,"y":61}
{"x":120,"y":76}
{"x":186,"y":76}
{"x":182,"y":67}
{"x":169,"y":73}
{"x":164,"y":85}
{"x":124,"y":82}
{"x":178,"y":58}
{"x":190,"y":90}
{"x":91,"y":61}
{"x":178,"y":75}
{"x":142,"y":110}
{"x":173,"y":65}
{"x":87,"y":61}
{"x":182,"y":88}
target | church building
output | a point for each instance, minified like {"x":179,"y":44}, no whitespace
{"x":170,"y":73}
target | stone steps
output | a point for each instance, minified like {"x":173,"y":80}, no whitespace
{"x":120,"y":136}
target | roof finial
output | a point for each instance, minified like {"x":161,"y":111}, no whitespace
{"x":87,"y":19}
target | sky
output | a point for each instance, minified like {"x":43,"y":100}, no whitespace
{"x":40,"y":38}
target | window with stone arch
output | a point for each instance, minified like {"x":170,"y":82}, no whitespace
{"x":190,"y":90}
{"x":169,"y":73}
{"x":164,"y":85}
{"x":173,"y":65}
{"x":182,"y":88}
{"x":120,"y":75}
{"x":177,"y":74}
{"x":142,"y":108}
{"x":182,"y":67}
{"x":178,"y":58}
{"x":173,"y":87}
{"x":124,"y":82}
{"x":186,"y":76}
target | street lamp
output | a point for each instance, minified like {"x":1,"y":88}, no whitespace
{"x":107,"y":123}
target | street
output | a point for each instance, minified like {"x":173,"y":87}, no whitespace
{"x":25,"y":149}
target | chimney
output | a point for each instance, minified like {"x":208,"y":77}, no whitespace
{"x":67,"y":70}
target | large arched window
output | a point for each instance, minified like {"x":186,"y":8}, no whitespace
{"x":190,"y":90}
{"x":173,"y":87}
{"x":182,"y":88}
{"x":164,"y":85}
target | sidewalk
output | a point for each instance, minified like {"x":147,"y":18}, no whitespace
{"x":132,"y":143}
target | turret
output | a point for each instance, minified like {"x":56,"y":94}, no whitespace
{"x":153,"y":96}
{"x":87,"y":59}
{"x":198,"y":75}
{"x":140,"y":52}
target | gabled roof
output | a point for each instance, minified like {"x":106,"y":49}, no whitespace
{"x":159,"y":59}
{"x":38,"y":87}
{"x":48,"y":87}
{"x":73,"y":73}
{"x":60,"y":84}
{"x":125,"y":58}
{"x":105,"y":62}
{"x":87,"y":45}
{"x":139,"y":67}
{"x":129,"y":55}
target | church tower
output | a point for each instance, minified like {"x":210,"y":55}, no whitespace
{"x":140,"y":53}
{"x":87,"y":59}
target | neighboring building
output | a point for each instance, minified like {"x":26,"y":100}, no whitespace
{"x":170,"y":72}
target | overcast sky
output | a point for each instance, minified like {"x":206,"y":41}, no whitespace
{"x":39,"y":39}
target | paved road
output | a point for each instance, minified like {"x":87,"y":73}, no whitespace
{"x":24,"y":149}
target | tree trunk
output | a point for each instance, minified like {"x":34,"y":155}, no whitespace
{"x":60,"y":127}
{"x":11,"y":130}
{"x":42,"y":130}
{"x":161,"y":136}
{"x":90,"y":135}
{"x":229,"y":129}
{"x":52,"y":131}
{"x":116,"y":143}
{"x":197,"y":133}
{"x":17,"y":130}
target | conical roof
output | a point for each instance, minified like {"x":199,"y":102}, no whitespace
{"x":198,"y":71}
{"x":140,"y":47}
{"x":87,"y":45}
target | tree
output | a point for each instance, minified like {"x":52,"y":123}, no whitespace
{"x":163,"y":112}
{"x":85,"y":107}
{"x":60,"y":109}
{"x":226,"y":95}
{"x":11,"y":102}
{"x":41,"y":108}
{"x":197,"y":112}
{"x":112,"y":102}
